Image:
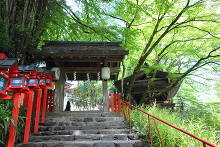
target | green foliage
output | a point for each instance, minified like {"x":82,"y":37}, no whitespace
{"x":21,"y":124}
{"x":170,"y":136}
{"x":6,"y":118}
{"x":86,"y":23}
{"x":21,"y":26}
{"x":88,"y":94}
{"x":218,"y":89}
{"x":190,"y":107}
{"x":4,"y":38}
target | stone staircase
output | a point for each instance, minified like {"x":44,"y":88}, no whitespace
{"x":84,"y":129}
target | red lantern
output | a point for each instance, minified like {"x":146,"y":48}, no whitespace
{"x":4,"y":79}
{"x":33,"y":80}
{"x":42,"y":80}
{"x":18,"y":82}
{"x":5,"y":64}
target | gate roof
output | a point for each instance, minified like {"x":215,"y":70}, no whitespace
{"x":84,"y":57}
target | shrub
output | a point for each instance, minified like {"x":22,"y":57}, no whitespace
{"x":5,"y":119}
{"x":170,"y":136}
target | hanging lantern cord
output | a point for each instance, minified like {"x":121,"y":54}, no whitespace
{"x":88,"y":77}
{"x":98,"y":76}
{"x":74,"y":76}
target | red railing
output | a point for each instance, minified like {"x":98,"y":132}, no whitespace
{"x":115,"y":103}
{"x":126,"y":107}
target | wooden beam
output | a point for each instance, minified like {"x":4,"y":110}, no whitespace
{"x":99,"y":53}
{"x":88,"y":69}
{"x":85,"y":59}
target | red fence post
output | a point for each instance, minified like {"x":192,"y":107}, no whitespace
{"x":150,"y":132}
{"x":114,"y":103}
{"x":118,"y":103}
{"x":44,"y":104}
{"x":15,"y":112}
{"x":50,"y":99}
{"x":28,"y":116}
{"x":52,"y":104}
{"x":37,"y":114}
{"x":158,"y":132}
{"x":110,"y":101}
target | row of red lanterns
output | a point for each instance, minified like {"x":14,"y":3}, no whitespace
{"x":11,"y":79}
{"x":17,"y":80}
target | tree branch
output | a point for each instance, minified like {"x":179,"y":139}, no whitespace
{"x":200,"y":30}
{"x":177,"y":41}
{"x":194,"y":67}
{"x":197,"y":64}
{"x":147,"y":51}
{"x":115,"y":17}
{"x":78,"y":20}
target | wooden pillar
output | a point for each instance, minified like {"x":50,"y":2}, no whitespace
{"x":59,"y":92}
{"x":62,"y":94}
{"x":105,"y":95}
{"x":57,"y":95}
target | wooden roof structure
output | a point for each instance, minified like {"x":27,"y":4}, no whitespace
{"x":161,"y":82}
{"x":84,"y":57}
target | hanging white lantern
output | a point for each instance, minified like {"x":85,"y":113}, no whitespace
{"x":105,"y":73}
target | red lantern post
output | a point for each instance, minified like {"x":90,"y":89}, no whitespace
{"x":42,"y":84}
{"x":38,"y":104}
{"x":34,"y":85}
{"x":17,"y":85}
{"x":47,"y":78}
{"x":29,"y":105}
{"x":29,"y":99}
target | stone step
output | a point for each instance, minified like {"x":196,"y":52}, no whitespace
{"x":84,"y":129}
{"x":83,"y":119}
{"x":71,"y":132}
{"x":105,"y":123}
{"x":83,"y":114}
{"x":84,"y":137}
{"x":87,"y":127}
{"x":97,"y":143}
